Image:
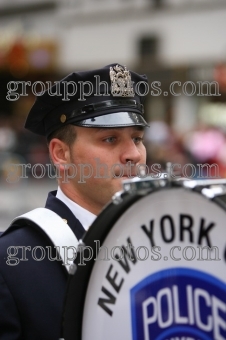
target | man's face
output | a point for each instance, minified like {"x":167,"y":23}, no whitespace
{"x":103,"y":158}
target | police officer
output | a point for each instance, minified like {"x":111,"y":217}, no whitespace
{"x":94,"y":126}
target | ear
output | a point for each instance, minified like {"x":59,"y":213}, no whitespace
{"x":59,"y":152}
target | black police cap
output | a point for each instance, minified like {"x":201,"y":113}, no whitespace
{"x":108,"y":97}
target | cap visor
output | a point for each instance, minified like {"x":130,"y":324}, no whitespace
{"x":117,"y":119}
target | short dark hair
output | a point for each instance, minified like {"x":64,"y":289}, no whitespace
{"x":66,"y":134}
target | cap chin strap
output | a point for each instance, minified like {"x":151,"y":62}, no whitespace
{"x":54,"y":227}
{"x":107,"y":104}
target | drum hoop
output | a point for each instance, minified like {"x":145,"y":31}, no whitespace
{"x":99,"y":231}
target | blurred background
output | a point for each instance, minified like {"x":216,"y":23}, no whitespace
{"x":181,"y":41}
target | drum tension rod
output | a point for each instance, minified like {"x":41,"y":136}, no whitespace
{"x":117,"y":197}
{"x":214,"y":191}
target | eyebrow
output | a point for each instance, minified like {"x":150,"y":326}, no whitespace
{"x":140,"y":128}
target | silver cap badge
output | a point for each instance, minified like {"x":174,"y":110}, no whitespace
{"x":121,"y":83}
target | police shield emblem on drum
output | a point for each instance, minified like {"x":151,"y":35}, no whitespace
{"x":152,"y":266}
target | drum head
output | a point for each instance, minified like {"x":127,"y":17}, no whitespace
{"x":160,"y":273}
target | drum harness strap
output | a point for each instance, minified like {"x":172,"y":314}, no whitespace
{"x":54,"y":227}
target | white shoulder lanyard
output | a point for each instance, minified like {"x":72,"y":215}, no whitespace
{"x":54,"y":227}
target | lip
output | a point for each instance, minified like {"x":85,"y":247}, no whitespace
{"x":125,"y":177}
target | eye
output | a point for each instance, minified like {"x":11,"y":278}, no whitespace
{"x":138,"y":140}
{"x":110,"y":140}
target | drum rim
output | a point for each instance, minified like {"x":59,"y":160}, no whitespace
{"x":98,"y":227}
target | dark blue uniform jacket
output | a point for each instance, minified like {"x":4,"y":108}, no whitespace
{"x":32,"y":291}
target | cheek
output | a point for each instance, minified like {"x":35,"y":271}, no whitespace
{"x":78,"y":154}
{"x":143,"y":154}
{"x":87,"y":159}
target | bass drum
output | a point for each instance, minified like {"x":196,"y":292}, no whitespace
{"x":152,"y":266}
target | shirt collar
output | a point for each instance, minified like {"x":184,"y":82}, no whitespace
{"x":85,"y":217}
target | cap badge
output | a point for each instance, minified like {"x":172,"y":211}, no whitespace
{"x":121,"y":83}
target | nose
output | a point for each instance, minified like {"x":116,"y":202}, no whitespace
{"x":130,"y":153}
